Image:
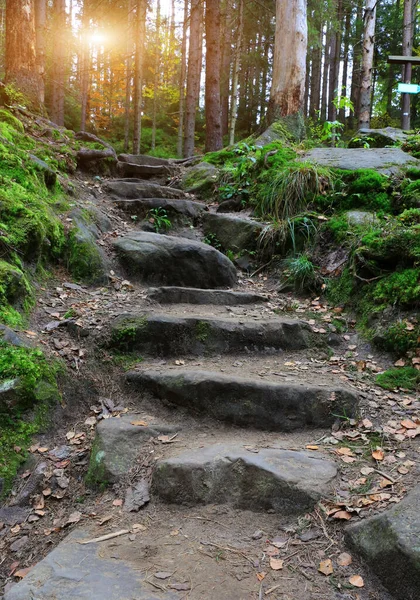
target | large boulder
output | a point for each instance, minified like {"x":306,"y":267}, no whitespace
{"x":390,"y":543}
{"x":387,"y":161}
{"x":284,"y":481}
{"x":245,"y":402}
{"x":179,"y":211}
{"x":169,"y":260}
{"x":378,"y":138}
{"x":232,"y":232}
{"x":362,"y":217}
{"x":132,"y":188}
{"x":200,"y":179}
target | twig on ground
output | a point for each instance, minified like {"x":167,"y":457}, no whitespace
{"x":102,"y":538}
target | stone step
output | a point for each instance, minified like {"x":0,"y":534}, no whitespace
{"x":284,"y":481}
{"x":184,"y":211}
{"x":132,"y":189}
{"x":246,"y":402}
{"x":168,"y":260}
{"x":126,"y":169}
{"x":83,"y":572}
{"x":233,"y":232}
{"x":390,"y":544}
{"x":182,"y":295}
{"x":171,"y":335}
{"x":144,"y":160}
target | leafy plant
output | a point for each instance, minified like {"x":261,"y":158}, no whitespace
{"x":300,"y":272}
{"x":159,"y":219}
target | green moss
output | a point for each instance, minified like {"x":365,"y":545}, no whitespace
{"x":96,"y":477}
{"x":413,"y":173}
{"x":202,"y":331}
{"x":28,"y":413}
{"x":84,"y":259}
{"x":127,"y":330}
{"x":399,"y":339}
{"x":219,"y":158}
{"x":340,"y":290}
{"x":404,"y":377}
{"x":7,"y":117}
{"x":402,"y":287}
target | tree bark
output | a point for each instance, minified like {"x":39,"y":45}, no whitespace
{"x":156,"y":76}
{"x":21,"y":61}
{"x":407,"y":50}
{"x":59,"y":61}
{"x":315,"y":96}
{"x":195,"y":58}
{"x":236,"y":66}
{"x":180,"y":143}
{"x":289,"y":69}
{"x":40,"y":26}
{"x":367,"y":63}
{"x":212,"y":88}
{"x":347,"y":26}
{"x":356,"y":71}
{"x":128,"y":75}
{"x":141,"y":9}
{"x":226,"y":64}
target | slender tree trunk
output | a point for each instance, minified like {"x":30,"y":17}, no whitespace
{"x":85,"y":68}
{"x":289,"y":69}
{"x":212,"y":91}
{"x":40,"y":26}
{"x":180,"y":144}
{"x":307,"y":83}
{"x":156,"y":74}
{"x":21,"y":61}
{"x":315,"y":97}
{"x":128,"y":75}
{"x":334,"y":91}
{"x":141,"y":9}
{"x":59,"y":62}
{"x":356,"y":72}
{"x":407,"y":50}
{"x":225,"y":64}
{"x":347,"y":27}
{"x":331,"y":75}
{"x":264,"y":83}
{"x":195,"y":58}
{"x":367,"y":63}
{"x":236,"y":66}
{"x":324,"y":101}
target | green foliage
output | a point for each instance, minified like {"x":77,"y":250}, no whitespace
{"x":341,"y":289}
{"x":7,"y":117}
{"x":398,"y":339}
{"x":413,"y":173}
{"x":159,"y":219}
{"x":300,"y":272}
{"x":211,"y":240}
{"x":401,"y":287}
{"x":411,"y":216}
{"x":84,"y":260}
{"x":410,"y":194}
{"x":403,"y":377}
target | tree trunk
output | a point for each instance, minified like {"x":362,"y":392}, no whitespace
{"x":128,"y":75}
{"x":21,"y":61}
{"x":225,"y":65}
{"x":40,"y":26}
{"x":342,"y":111}
{"x":59,"y":61}
{"x":315,"y":97}
{"x":212,"y":89}
{"x":141,"y":9}
{"x":367,"y":63}
{"x":335,"y":67}
{"x":85,"y":64}
{"x":407,"y":50}
{"x":327,"y":54}
{"x":180,"y":143}
{"x":156,"y":74}
{"x":237,"y":64}
{"x":356,"y":71}
{"x":195,"y":57}
{"x":289,"y":69}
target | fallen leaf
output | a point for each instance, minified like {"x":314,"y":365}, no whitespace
{"x":70,"y":435}
{"x":180,"y":587}
{"x":367,"y":424}
{"x":378,"y":454}
{"x":117,"y":502}
{"x":138,"y":527}
{"x":276,"y":564}
{"x":384,"y":483}
{"x":399,"y":363}
{"x":356,"y":581}
{"x":309,"y":447}
{"x":366,"y":470}
{"x":348,"y":459}
{"x":46,"y":492}
{"x":74,"y":518}
{"x":105,"y":520}
{"x":408,"y":424}
{"x":91,"y":421}
{"x":139,"y":423}
{"x":15,"y":529}
{"x":344,"y":559}
{"x":162,"y":575}
{"x":260,"y":576}
{"x":343,"y":515}
{"x":43,"y":450}
{"x":344,"y":451}
{"x":326,"y":567}
{"x":22,"y":572}
{"x":279,"y":542}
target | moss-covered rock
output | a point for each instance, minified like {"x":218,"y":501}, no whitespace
{"x":7,"y":117}
{"x":200,"y":179}
{"x":85,"y":259}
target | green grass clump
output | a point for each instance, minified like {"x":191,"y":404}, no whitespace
{"x":37,"y":391}
{"x":413,"y":173}
{"x":403,"y":377}
{"x":299,"y":272}
{"x":410,"y":216}
{"x":402,"y":287}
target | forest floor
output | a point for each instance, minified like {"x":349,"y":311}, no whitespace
{"x":211,"y":551}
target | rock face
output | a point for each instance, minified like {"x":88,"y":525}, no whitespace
{"x":200,"y":179}
{"x":181,"y":295}
{"x":166,"y":335}
{"x":141,"y":189}
{"x":169,"y":260}
{"x":384,"y":160}
{"x":281,"y":480}
{"x":390,"y":543}
{"x":262,"y":404}
{"x":233,"y":233}
{"x":86,"y":260}
{"x":79,"y":572}
{"x":117,"y":445}
{"x":181,"y":211}
{"x":378,"y":138}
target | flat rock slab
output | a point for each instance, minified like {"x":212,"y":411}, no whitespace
{"x":167,"y":335}
{"x":80,"y":572}
{"x":127,"y":169}
{"x":144,"y":160}
{"x":245,"y":402}
{"x":117,"y":444}
{"x":181,"y":295}
{"x":232,"y":232}
{"x":141,"y":189}
{"x":285,"y":481}
{"x":179,"y":210}
{"x":390,"y":544}
{"x":384,"y":160}
{"x":169,"y":260}
{"x":378,"y":138}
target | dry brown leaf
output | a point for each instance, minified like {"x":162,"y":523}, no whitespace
{"x":43,"y":450}
{"x":344,"y":451}
{"x":344,"y":559}
{"x":139,"y":423}
{"x":348,"y":459}
{"x":326,"y":567}
{"x":399,"y":363}
{"x":117,"y":502}
{"x":174,"y":532}
{"x":276,"y":564}
{"x":384,"y":483}
{"x":46,"y":492}
{"x":74,"y":518}
{"x":366,"y":470}
{"x":260,"y":576}
{"x":15,"y":529}
{"x":70,"y":435}
{"x":22,"y":572}
{"x":105,"y":520}
{"x":343,"y":515}
{"x":312,"y":447}
{"x":367,"y":424}
{"x":356,"y":581}
{"x":408,"y":424}
{"x":378,"y":454}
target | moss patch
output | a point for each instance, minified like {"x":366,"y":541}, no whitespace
{"x":404,"y":377}
{"x":96,"y":476}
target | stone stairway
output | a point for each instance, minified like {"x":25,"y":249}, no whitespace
{"x":198,"y":362}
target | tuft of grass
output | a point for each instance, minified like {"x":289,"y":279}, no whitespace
{"x":300,"y":272}
{"x":403,"y":377}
